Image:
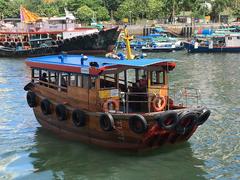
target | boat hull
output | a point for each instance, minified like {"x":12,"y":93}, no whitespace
{"x":10,"y":52}
{"x":201,"y":49}
{"x":121,"y":137}
{"x":162,"y":49}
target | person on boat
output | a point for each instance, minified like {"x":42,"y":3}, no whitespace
{"x":143,"y":81}
{"x":63,"y":82}
{"x":44,"y":78}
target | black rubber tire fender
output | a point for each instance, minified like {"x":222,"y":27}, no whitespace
{"x":31,"y":99}
{"x":138,"y":124}
{"x":190,"y":117}
{"x":46,"y":107}
{"x":167,"y":120}
{"x":79,"y":118}
{"x":106,"y":122}
{"x":61,"y":112}
{"x":203,"y":116}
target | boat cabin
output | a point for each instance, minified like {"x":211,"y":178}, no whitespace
{"x":105,"y":85}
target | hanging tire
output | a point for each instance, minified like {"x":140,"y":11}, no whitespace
{"x":46,"y":107}
{"x":28,"y":86}
{"x":203,"y":116}
{"x":106,"y":122}
{"x":167,"y":120}
{"x":187,"y":120}
{"x":31,"y":99}
{"x":138,"y":124}
{"x":61,"y":112}
{"x":79,"y":118}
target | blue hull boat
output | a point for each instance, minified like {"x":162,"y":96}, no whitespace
{"x":205,"y":49}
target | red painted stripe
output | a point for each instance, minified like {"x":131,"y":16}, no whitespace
{"x":64,"y":68}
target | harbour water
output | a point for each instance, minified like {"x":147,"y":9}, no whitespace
{"x":29,"y":152}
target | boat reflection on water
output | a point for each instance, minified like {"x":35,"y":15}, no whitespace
{"x":57,"y":158}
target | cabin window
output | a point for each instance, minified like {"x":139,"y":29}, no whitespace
{"x":92,"y":82}
{"x":108,"y":81}
{"x":35,"y":74}
{"x":65,"y":79}
{"x":43,"y":77}
{"x":73,"y":79}
{"x":238,"y":37}
{"x":85,"y":81}
{"x":229,"y":38}
{"x":79,"y":80}
{"x":157,"y":78}
{"x":44,"y":36}
{"x":53,"y":79}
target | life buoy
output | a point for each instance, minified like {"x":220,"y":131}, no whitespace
{"x":46,"y":107}
{"x":167,"y":120}
{"x":106,"y":122}
{"x":110,"y":104}
{"x":138,"y":124}
{"x":187,"y":120}
{"x":203,"y":116}
{"x":79,"y":118}
{"x":61,"y":112}
{"x":31,"y":99}
{"x":159,"y":103}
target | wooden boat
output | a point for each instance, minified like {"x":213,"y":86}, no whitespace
{"x":216,"y":43}
{"x":105,"y":101}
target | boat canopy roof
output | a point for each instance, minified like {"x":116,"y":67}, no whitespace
{"x":92,"y":65}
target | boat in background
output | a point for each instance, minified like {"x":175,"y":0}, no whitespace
{"x":218,"y":43}
{"x":36,"y":36}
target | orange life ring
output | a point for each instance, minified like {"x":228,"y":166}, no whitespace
{"x":109,"y":102}
{"x":159,"y":103}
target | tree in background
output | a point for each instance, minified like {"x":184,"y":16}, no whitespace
{"x":85,"y":14}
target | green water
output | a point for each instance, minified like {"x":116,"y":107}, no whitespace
{"x":29,"y":152}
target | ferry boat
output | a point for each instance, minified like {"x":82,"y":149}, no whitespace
{"x":116,"y":104}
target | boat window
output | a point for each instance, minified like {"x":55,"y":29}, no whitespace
{"x":44,"y":36}
{"x":79,"y":80}
{"x":65,"y":79}
{"x":43,"y":77}
{"x":73,"y":79}
{"x":238,"y":37}
{"x":157,"y":78}
{"x":35,"y":74}
{"x":53,"y":77}
{"x":108,"y":81}
{"x":92,"y":82}
{"x":229,"y":38}
{"x":85,"y":81}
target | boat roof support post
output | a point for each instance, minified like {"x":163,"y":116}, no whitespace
{"x":125,"y":78}
{"x":59,"y":81}
{"x":137,"y":74}
{"x":49,"y":78}
{"x":148,"y":85}
{"x":116,"y":77}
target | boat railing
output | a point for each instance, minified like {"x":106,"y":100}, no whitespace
{"x":142,"y":101}
{"x":48,"y":84}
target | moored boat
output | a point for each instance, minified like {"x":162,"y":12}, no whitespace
{"x":64,"y":35}
{"x":222,"y":40}
{"x":95,"y":101}
{"x":45,"y":43}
